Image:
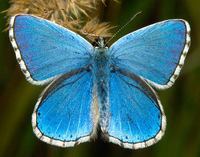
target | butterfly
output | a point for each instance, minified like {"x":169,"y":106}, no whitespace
{"x":90,"y":87}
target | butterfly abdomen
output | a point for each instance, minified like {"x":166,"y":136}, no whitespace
{"x":101,"y":82}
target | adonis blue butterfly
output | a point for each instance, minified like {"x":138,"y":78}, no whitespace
{"x":109,"y":87}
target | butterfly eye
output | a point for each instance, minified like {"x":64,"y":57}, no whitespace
{"x":88,"y":68}
{"x":99,"y":42}
{"x":95,"y":42}
{"x":112,"y":69}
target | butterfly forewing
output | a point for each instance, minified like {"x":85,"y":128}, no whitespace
{"x":156,"y":52}
{"x":45,"y":49}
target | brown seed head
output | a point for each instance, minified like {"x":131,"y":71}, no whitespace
{"x":76,"y":15}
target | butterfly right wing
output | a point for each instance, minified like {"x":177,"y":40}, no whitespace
{"x":136,"y":116}
{"x":64,"y":114}
{"x":45,"y":50}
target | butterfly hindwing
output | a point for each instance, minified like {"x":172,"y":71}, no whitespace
{"x":45,"y":49}
{"x":136,"y":117}
{"x":63,"y":115}
{"x":156,"y":52}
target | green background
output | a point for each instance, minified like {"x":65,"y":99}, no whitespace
{"x":181,"y":102}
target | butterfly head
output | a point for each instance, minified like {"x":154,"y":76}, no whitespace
{"x":99,"y":43}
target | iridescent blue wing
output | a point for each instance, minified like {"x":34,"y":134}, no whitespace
{"x":136,"y":116}
{"x":156,"y":52}
{"x":63,"y":115}
{"x":45,"y":50}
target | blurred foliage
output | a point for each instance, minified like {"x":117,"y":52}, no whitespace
{"x":181,"y":102}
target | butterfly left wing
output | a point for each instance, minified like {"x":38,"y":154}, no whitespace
{"x":156,"y":52}
{"x":45,"y":50}
{"x":136,"y":116}
{"x":63,"y":115}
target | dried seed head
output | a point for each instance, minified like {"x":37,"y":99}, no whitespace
{"x":73,"y":14}
{"x":94,"y":28}
{"x":18,"y":6}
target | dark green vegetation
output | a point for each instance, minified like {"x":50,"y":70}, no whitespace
{"x":181,"y":102}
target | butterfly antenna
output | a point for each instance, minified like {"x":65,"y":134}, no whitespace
{"x":129,"y":21}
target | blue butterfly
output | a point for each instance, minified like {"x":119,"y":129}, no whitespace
{"x":100,"y":86}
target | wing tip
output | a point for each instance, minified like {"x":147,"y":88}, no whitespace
{"x":16,"y":49}
{"x":19,"y":58}
{"x":183,"y":55}
{"x":181,"y":62}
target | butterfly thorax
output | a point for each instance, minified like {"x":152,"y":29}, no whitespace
{"x":101,"y":83}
